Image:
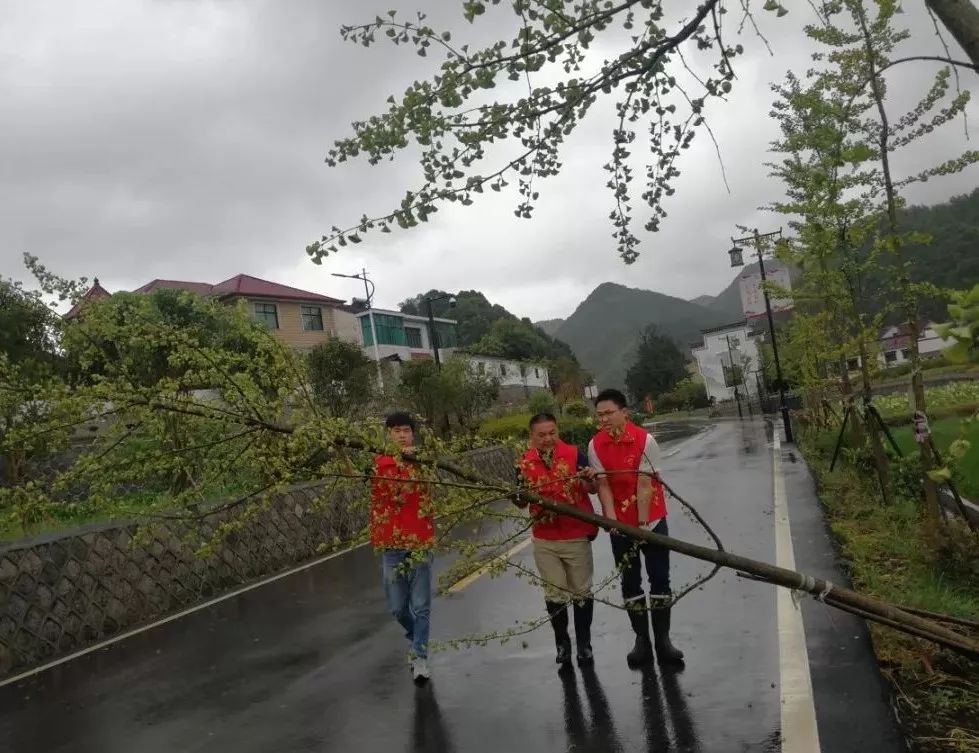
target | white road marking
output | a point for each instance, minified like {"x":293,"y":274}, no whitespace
{"x":799,"y":730}
{"x":175,"y":616}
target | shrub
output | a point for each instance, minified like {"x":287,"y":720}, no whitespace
{"x":688,"y":394}
{"x":577,"y":409}
{"x":515,"y":426}
{"x":542,"y":402}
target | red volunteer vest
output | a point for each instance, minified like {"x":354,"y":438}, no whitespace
{"x":624,"y":453}
{"x":400,"y":507}
{"x":554,"y":483}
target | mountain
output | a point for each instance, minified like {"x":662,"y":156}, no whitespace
{"x":550,"y":326}
{"x":703,"y":300}
{"x":604,"y":330}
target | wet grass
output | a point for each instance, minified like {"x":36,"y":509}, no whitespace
{"x":944,"y":432}
{"x":890,"y":553}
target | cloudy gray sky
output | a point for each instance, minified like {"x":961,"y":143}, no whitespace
{"x":185,"y":139}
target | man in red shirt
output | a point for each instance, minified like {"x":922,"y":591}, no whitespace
{"x":402,"y":528}
{"x":630,"y":493}
{"x":558,"y":471}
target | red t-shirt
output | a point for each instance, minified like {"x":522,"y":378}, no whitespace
{"x":401,"y":507}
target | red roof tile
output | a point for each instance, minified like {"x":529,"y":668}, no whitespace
{"x":201,"y":288}
{"x":246,"y":285}
{"x":93,"y":293}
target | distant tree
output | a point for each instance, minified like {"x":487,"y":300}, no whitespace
{"x":28,"y":337}
{"x":454,"y":391}
{"x":577,"y":409}
{"x":542,"y":401}
{"x":475,"y":392}
{"x":171,"y":343}
{"x":658,"y":365}
{"x":342,"y":378}
{"x":113,"y":338}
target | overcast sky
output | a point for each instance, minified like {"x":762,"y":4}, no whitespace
{"x":185,"y":139}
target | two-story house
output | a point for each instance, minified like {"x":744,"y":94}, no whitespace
{"x":299,"y":318}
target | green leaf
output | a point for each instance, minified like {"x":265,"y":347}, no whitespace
{"x":959,"y":448}
{"x":940,"y":475}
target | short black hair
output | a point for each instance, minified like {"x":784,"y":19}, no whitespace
{"x":540,"y":418}
{"x":400,"y":418}
{"x":614,"y":395}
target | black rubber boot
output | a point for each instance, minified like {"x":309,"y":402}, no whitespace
{"x":642,"y":651}
{"x":583,"y":611}
{"x":666,"y":652}
{"x":558,"y":612}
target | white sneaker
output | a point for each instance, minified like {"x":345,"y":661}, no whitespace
{"x":419,"y":671}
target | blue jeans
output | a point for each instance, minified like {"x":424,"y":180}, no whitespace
{"x":409,"y":595}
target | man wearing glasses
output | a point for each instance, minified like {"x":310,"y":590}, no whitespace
{"x":625,"y":458}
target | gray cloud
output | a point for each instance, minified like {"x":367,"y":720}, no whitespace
{"x":186,"y":140}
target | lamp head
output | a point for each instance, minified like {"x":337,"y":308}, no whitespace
{"x":737,"y":256}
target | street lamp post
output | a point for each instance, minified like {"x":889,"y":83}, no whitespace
{"x":433,"y":340}
{"x":737,"y":260}
{"x":369,"y":292}
{"x":734,"y":382}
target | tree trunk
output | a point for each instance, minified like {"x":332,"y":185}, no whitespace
{"x":933,"y":509}
{"x":961,"y":18}
{"x":873,"y":431}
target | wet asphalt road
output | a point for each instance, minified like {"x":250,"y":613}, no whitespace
{"x":313,"y":662}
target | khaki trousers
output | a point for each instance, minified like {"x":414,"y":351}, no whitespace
{"x":565,"y":567}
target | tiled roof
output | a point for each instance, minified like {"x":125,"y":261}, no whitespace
{"x":240,"y":285}
{"x":201,"y":288}
{"x":246,"y":285}
{"x":93,"y":293}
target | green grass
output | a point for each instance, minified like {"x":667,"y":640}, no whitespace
{"x":944,"y":432}
{"x":71,"y":514}
{"x":944,"y":399}
{"x":890,"y":553}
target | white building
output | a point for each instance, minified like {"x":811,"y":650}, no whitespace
{"x":518,"y":379}
{"x":894,"y":344}
{"x":722,"y":346}
{"x":400,"y":337}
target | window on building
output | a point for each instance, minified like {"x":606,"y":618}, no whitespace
{"x":268,"y":314}
{"x":413,"y":336}
{"x":890,"y":356}
{"x":390,"y":329}
{"x":312,"y":318}
{"x":480,"y":368}
{"x":536,"y":373}
{"x":853,"y":364}
{"x":503,"y":369}
{"x":446,"y":334}
{"x":906,"y":353}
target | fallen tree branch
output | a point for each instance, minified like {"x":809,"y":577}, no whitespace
{"x":824,"y":591}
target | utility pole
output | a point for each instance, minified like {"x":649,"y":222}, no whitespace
{"x":734,"y":381}
{"x":433,"y":338}
{"x":737,"y":261}
{"x":369,"y":292}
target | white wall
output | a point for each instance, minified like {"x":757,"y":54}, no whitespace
{"x":511,"y":373}
{"x":711,"y":366}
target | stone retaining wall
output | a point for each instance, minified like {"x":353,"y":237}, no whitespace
{"x":60,"y":593}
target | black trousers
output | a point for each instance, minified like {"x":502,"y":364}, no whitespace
{"x":634,"y":553}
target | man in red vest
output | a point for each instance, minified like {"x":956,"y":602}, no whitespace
{"x":562,"y":546}
{"x":631,"y":494}
{"x":403,"y":530}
